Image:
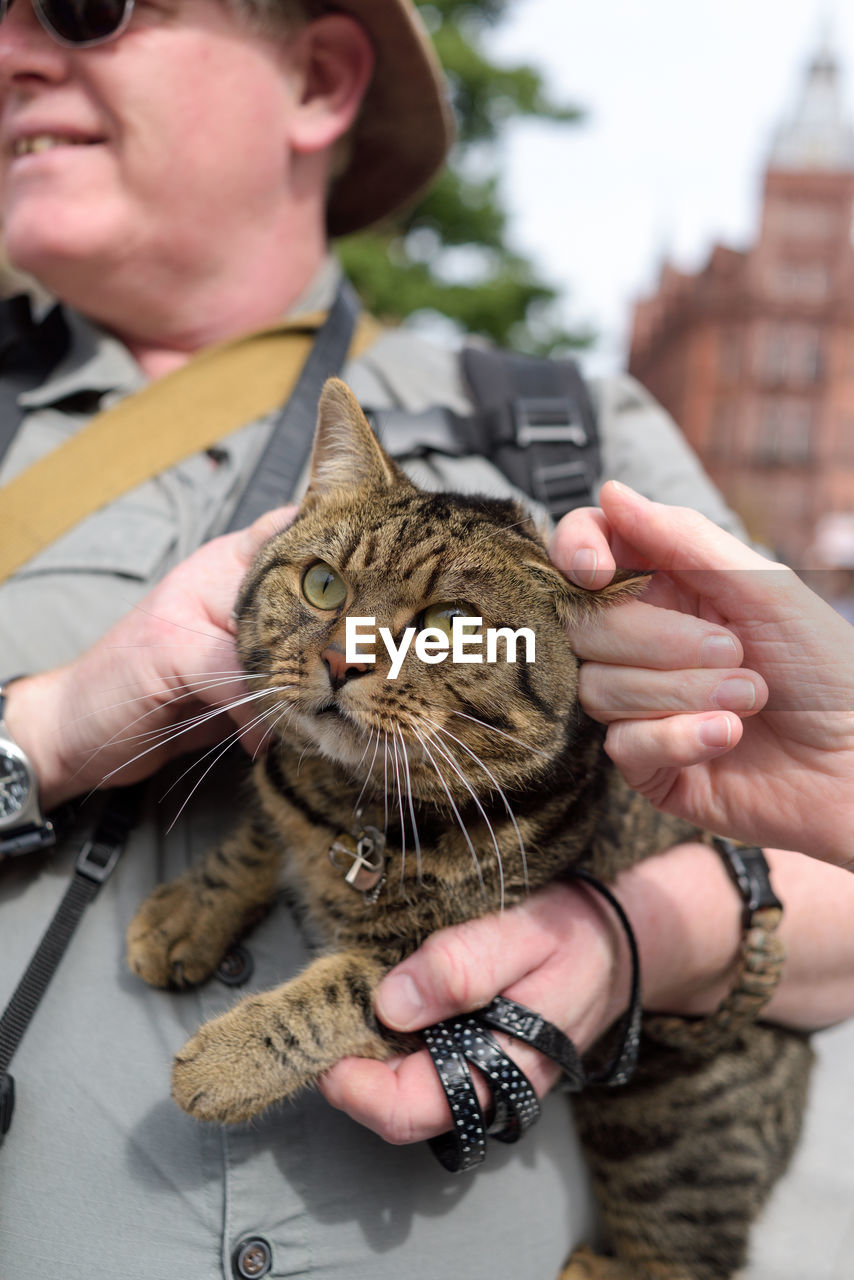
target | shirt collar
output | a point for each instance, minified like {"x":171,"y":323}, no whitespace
{"x":94,"y":362}
{"x":98,"y":363}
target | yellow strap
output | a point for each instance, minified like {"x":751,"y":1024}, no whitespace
{"x":190,"y":409}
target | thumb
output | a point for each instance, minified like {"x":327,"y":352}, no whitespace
{"x":457,"y":970}
{"x":690,"y":547}
{"x":522,"y":952}
{"x":251,"y":539}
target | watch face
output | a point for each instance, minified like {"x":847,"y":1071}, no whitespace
{"x":14,"y":787}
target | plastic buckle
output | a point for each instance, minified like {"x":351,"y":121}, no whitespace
{"x":749,"y":872}
{"x":7,"y":1103}
{"x":547,"y":420}
{"x":97,"y":859}
{"x":562,"y":486}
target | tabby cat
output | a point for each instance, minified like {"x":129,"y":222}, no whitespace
{"x":485,"y":781}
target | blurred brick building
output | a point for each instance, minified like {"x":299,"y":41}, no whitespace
{"x":754,"y":354}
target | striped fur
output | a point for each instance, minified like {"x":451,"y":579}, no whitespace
{"x":488,"y":781}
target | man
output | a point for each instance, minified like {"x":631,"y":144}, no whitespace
{"x":170,"y":179}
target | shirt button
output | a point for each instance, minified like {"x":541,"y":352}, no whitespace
{"x":235,"y":967}
{"x":252,"y":1258}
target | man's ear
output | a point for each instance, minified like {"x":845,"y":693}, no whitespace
{"x":334,"y":59}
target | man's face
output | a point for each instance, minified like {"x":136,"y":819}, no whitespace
{"x":158,"y":148}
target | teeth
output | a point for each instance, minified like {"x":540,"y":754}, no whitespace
{"x":43,"y":142}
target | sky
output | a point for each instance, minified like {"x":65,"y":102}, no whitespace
{"x":682,"y":98}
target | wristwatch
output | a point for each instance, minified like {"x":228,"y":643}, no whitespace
{"x":23,"y":826}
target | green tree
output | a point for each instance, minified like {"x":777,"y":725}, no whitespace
{"x":449,"y":254}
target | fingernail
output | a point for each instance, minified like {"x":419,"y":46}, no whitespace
{"x":718,"y":651}
{"x":582,"y":571}
{"x":736,"y":694}
{"x":399,"y":1002}
{"x":715,"y":733}
{"x":627,"y":491}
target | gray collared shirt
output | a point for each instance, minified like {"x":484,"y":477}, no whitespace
{"x":101,"y":1174}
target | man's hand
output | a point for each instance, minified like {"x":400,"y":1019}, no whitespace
{"x":764,"y":751}
{"x":558,"y":953}
{"x":115,"y":714}
{"x":561,"y":953}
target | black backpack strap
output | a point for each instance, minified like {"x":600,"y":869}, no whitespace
{"x":94,"y":865}
{"x":284,"y":457}
{"x":533,"y":419}
{"x":29,"y":351}
{"x":536,"y":421}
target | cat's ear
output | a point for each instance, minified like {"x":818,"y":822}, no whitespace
{"x":574,"y":604}
{"x":346,"y":453}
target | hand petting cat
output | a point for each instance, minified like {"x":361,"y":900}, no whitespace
{"x":107,"y":718}
{"x":656,"y":677}
{"x":764,"y":752}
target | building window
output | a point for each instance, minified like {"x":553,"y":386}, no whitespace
{"x":730,"y":355}
{"x":724,"y":436}
{"x":810,"y":360}
{"x":805,"y":282}
{"x":785,"y":433}
{"x":846,"y":439}
{"x":790,"y":353}
{"x":798,"y":218}
{"x":773,"y":358}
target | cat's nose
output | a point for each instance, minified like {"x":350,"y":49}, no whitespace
{"x":340,"y":670}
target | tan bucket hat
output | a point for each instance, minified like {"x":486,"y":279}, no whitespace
{"x":405,"y":127}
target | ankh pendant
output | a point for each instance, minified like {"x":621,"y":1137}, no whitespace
{"x":364,"y":850}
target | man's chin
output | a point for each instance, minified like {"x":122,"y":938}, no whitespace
{"x":55,"y":261}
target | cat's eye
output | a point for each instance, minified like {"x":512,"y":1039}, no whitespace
{"x":442,"y":616}
{"x":324,"y":587}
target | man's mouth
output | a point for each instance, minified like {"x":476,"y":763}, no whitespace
{"x":40,"y":142}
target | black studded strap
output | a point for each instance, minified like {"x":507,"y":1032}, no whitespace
{"x":458,"y":1041}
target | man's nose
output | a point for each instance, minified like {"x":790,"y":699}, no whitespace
{"x":340,"y":670}
{"x":26,"y":49}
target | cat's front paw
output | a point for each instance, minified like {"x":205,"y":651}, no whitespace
{"x":231,"y":1070}
{"x":174,"y":940}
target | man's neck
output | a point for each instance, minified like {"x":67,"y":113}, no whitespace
{"x":216,"y":316}
{"x":163,"y":324}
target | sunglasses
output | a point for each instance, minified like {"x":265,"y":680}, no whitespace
{"x":80,"y":23}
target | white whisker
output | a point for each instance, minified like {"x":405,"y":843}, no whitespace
{"x":162,"y":737}
{"x":370,"y":769}
{"x":453,"y":805}
{"x":225,"y":743}
{"x":385,"y":781}
{"x":209,"y":681}
{"x":499,"y":861}
{"x":411,"y":805}
{"x":208,"y":635}
{"x":400,"y":807}
{"x":498,"y":788}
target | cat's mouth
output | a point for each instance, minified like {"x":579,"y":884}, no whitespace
{"x":332,"y":717}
